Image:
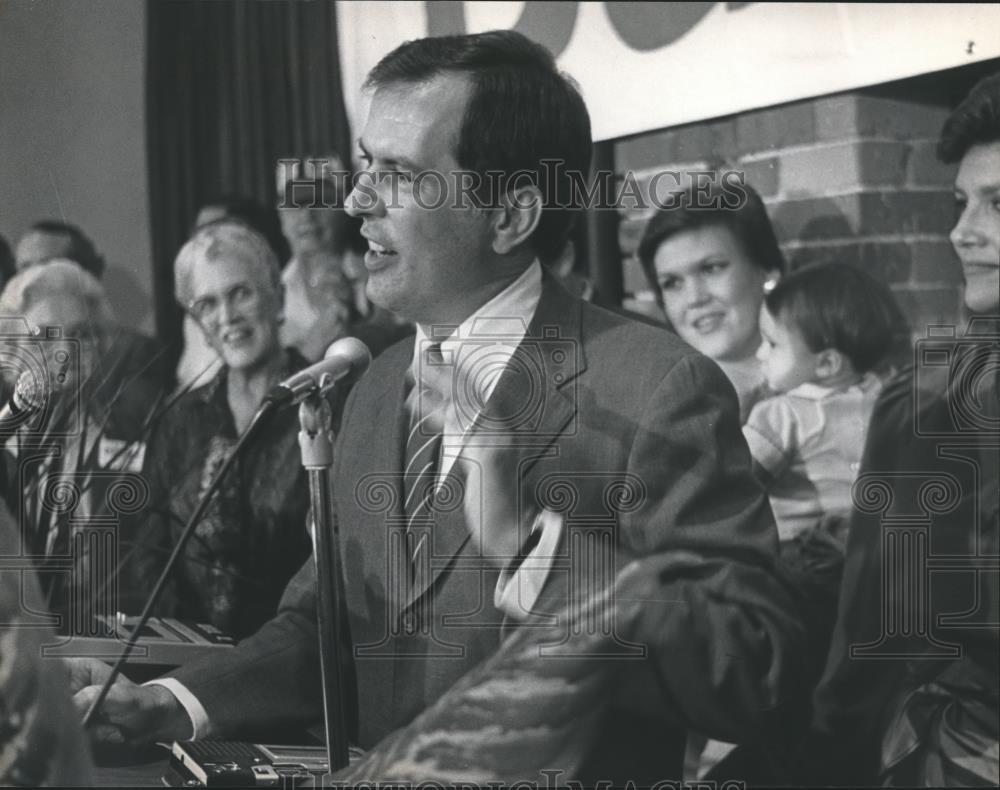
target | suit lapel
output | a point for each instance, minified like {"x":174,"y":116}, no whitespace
{"x":371,"y":464}
{"x":535,"y":398}
{"x":386,"y":447}
{"x":534,"y":401}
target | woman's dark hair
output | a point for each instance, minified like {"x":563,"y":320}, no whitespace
{"x":747,"y":221}
{"x":522,"y":117}
{"x":975,"y":121}
{"x":835,"y":305}
{"x":256,"y":215}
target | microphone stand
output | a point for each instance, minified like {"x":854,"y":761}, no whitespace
{"x":161,"y":583}
{"x":316,"y":444}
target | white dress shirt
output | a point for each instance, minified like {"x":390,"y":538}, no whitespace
{"x":477,"y":351}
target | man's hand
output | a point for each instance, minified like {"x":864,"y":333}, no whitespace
{"x":497,"y":509}
{"x":130,"y":713}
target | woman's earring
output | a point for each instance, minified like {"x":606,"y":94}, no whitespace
{"x":769,"y":284}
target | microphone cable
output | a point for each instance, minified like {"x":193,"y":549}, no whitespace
{"x":161,"y":582}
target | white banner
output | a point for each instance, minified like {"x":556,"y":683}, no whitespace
{"x":645,"y":66}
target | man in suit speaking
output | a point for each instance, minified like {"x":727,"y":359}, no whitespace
{"x":552,"y":432}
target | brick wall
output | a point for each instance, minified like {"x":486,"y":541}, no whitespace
{"x":850,"y":177}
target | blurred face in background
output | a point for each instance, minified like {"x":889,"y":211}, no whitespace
{"x":237,"y":309}
{"x":37,"y":246}
{"x":976,"y":235}
{"x":308,"y":229}
{"x":712,"y":291}
{"x":210,"y":213}
{"x":76,"y":323}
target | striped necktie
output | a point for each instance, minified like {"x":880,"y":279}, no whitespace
{"x":425,"y":406}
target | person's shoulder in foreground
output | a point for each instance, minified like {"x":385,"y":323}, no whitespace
{"x":907,"y":717}
{"x":41,"y":742}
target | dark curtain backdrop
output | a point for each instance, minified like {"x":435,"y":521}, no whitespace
{"x":232,"y":86}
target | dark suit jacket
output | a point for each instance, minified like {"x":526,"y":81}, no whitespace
{"x":930,"y":475}
{"x":635,"y":438}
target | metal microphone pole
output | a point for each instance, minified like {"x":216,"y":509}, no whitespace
{"x":316,"y":444}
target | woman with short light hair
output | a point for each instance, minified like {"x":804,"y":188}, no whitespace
{"x":253,"y":537}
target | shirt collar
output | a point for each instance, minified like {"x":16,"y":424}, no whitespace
{"x":818,"y":391}
{"x":499,"y":326}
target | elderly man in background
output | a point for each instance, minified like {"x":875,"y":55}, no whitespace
{"x":51,"y":239}
{"x":48,"y":240}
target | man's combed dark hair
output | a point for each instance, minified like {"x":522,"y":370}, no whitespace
{"x":81,"y":248}
{"x":835,"y":305}
{"x":974,"y":122}
{"x":522,"y":112}
{"x":748,"y":222}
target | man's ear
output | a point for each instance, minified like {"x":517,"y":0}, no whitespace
{"x":830,"y":363}
{"x":516,"y":218}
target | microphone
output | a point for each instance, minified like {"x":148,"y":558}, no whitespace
{"x":345,"y":357}
{"x":27,"y":399}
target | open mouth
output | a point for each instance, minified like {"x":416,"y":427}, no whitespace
{"x":707,"y":323}
{"x":377,"y":255}
{"x":236,"y":337}
{"x":980,"y":268}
